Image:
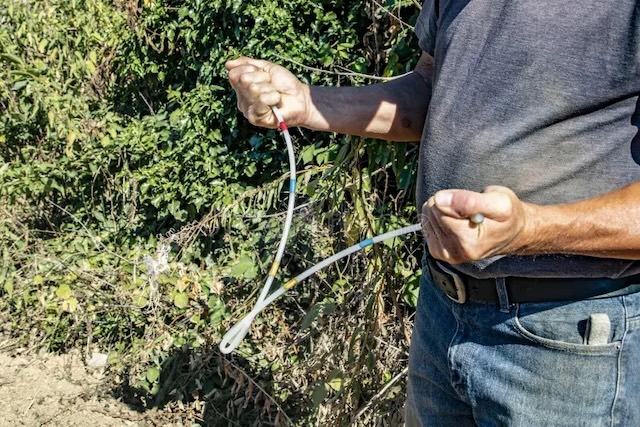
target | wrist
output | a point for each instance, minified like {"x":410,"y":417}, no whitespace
{"x":529,"y":237}
{"x":305,"y":119}
{"x":310,"y":117}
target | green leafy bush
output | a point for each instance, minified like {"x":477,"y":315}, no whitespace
{"x":139,"y":211}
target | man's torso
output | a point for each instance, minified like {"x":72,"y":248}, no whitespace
{"x":540,"y":97}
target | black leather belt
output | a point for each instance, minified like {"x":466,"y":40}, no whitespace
{"x":461,"y":287}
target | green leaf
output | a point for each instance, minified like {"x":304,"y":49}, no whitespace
{"x":336,"y":383}
{"x":63,"y":291}
{"x":153,"y":374}
{"x":139,"y":301}
{"x":181,"y":299}
{"x":321,"y":307}
{"x":307,"y":154}
{"x":8,"y":287}
{"x":69,"y":305}
{"x":245,"y":267}
{"x":11,"y":58}
{"x":318,"y":395}
{"x":20,"y":84}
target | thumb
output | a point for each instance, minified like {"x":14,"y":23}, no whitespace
{"x":495,"y":203}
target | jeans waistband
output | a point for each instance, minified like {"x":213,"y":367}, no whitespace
{"x":461,"y":287}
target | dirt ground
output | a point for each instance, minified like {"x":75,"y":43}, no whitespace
{"x":59,"y":390}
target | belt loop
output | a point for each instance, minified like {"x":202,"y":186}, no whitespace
{"x":503,"y":297}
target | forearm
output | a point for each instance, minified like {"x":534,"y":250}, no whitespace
{"x":395,"y":110}
{"x":607,"y":226}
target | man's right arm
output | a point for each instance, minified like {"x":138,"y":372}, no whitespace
{"x":394,"y":110}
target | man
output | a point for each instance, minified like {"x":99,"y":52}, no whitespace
{"x":528,"y":114}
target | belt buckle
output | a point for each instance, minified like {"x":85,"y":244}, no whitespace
{"x":454,"y":287}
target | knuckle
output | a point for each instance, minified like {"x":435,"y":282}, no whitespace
{"x":249,"y":113}
{"x":233,"y":75}
{"x":506,"y":205}
{"x":252,"y":119}
{"x":253,"y":88}
{"x":245,"y":79}
{"x":469,"y":204}
{"x":255,"y":118}
{"x":265,"y":98}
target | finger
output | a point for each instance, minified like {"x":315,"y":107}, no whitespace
{"x":255,"y":90}
{"x":243,"y":60}
{"x":242,"y":74}
{"x":437,"y":248}
{"x":261,"y":95}
{"x":240,"y":104}
{"x":499,"y":189}
{"x":433,"y":232}
{"x":434,"y":217}
{"x":246,"y":81}
{"x":431,"y":238}
{"x":260,"y":112}
{"x":495,"y":204}
{"x":447,"y":230}
{"x":465,"y":242}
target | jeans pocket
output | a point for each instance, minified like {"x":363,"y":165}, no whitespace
{"x":571,"y":326}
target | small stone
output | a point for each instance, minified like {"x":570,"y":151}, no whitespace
{"x":97,"y":360}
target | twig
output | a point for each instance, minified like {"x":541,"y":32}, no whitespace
{"x":168,"y":382}
{"x":381,"y":392}
{"x":7,"y":345}
{"x":398,"y":349}
{"x":146,"y":102}
{"x":99,"y":245}
{"x":119,"y":415}
{"x":247,"y":376}
{"x":278,"y":214}
{"x":30,"y":404}
{"x":402,"y":23}
{"x":353,"y":73}
{"x":185,"y":235}
{"x":336,"y":73}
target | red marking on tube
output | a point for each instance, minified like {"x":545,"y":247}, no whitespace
{"x":283,"y":126}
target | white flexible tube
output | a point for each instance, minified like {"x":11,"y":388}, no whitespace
{"x":236,"y":334}
{"x":355,"y":248}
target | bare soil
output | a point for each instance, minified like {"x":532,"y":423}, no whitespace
{"x":60,"y":390}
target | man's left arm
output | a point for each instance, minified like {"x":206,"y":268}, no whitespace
{"x":607,"y":226}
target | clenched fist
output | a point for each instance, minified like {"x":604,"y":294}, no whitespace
{"x":260,"y":84}
{"x":453,"y":238}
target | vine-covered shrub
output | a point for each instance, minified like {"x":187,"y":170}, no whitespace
{"x":139,"y":211}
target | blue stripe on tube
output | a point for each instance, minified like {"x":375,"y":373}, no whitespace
{"x":366,"y":243}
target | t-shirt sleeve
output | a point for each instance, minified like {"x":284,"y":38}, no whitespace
{"x":426,"y":26}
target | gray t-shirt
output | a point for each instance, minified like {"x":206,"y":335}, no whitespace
{"x":538,"y":96}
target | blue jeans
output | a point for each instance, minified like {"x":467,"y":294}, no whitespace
{"x":525,"y":365}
